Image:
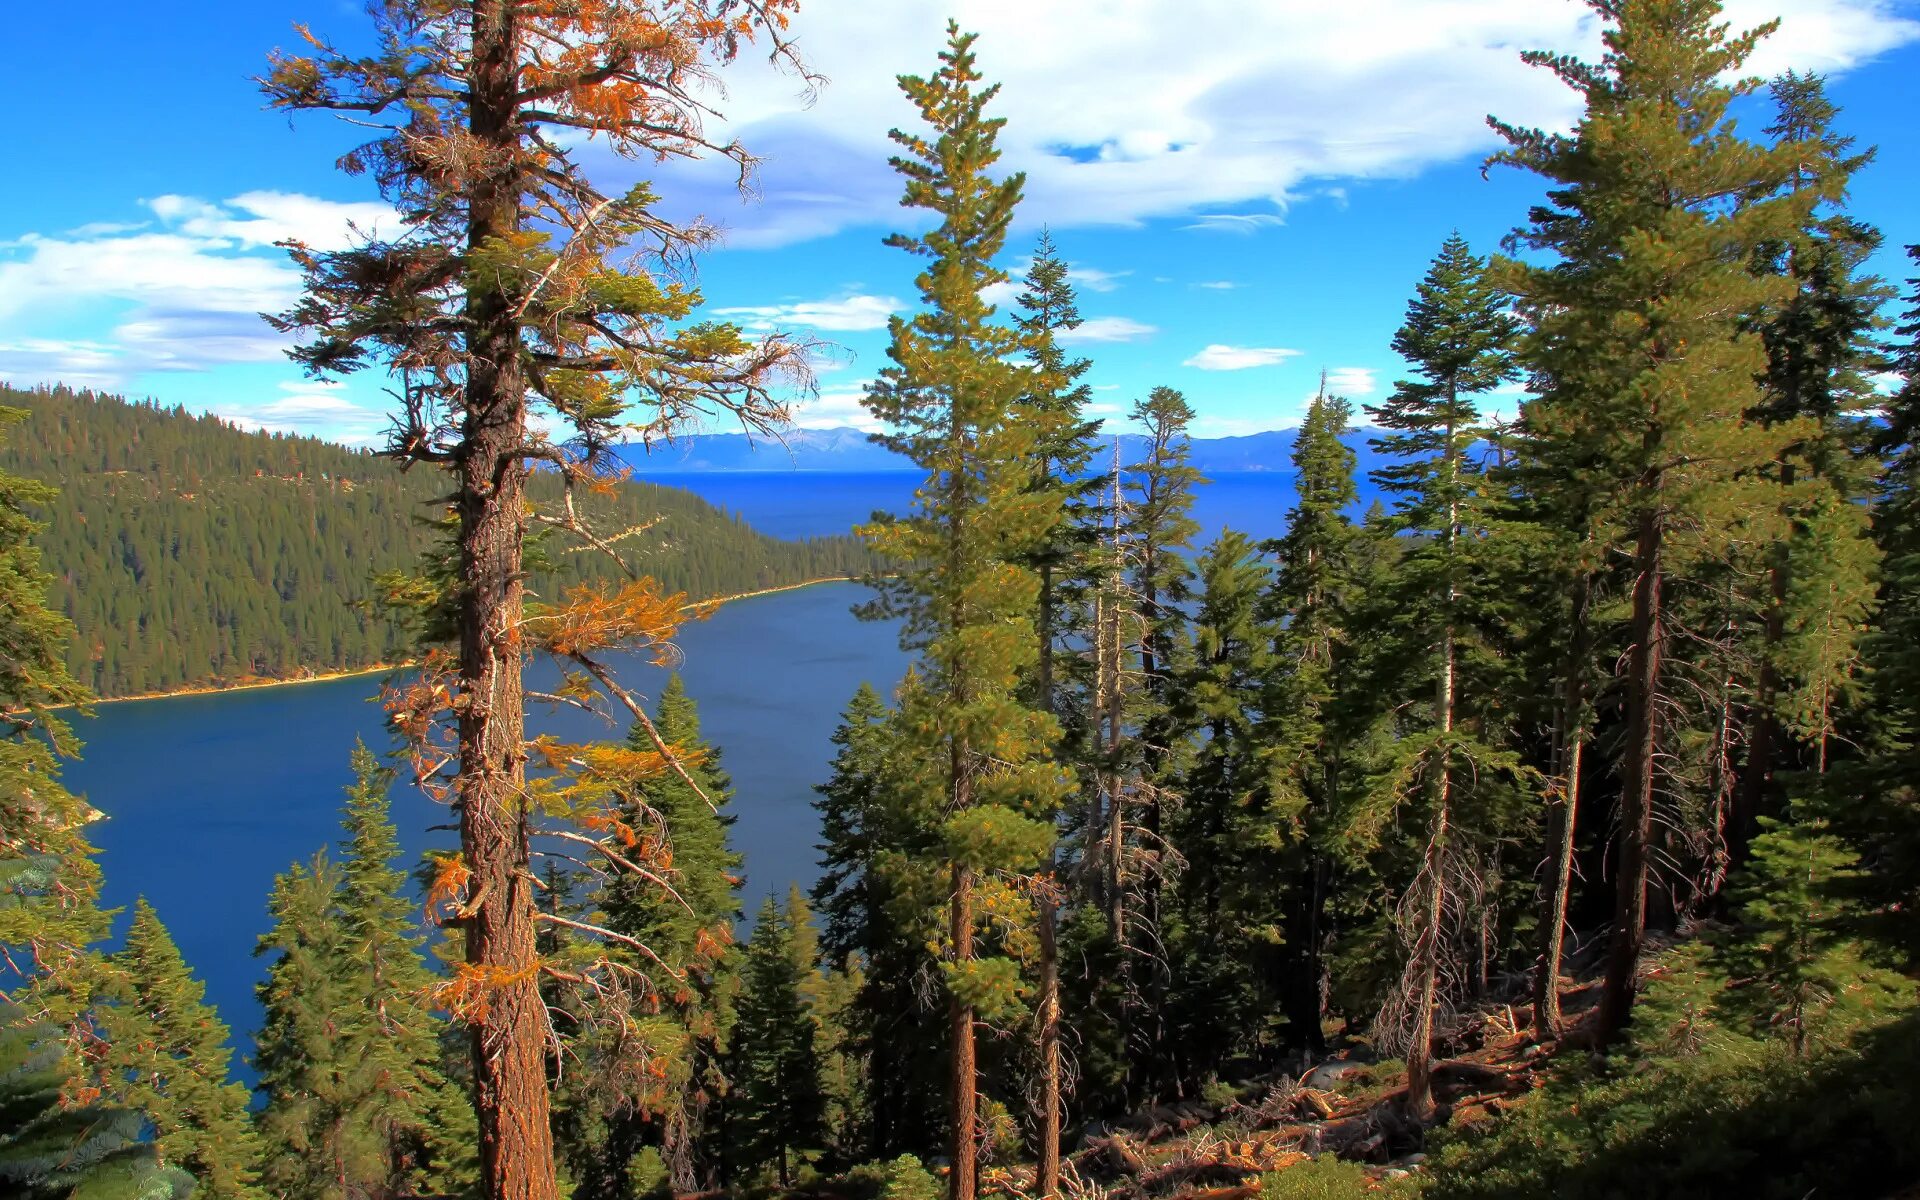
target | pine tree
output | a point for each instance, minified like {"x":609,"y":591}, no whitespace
{"x":54,"y":1149}
{"x":1657,"y":206}
{"x":1459,"y":337}
{"x":511,"y":292}
{"x":783,"y":1101}
{"x":956,"y":407}
{"x":1820,"y":352}
{"x":167,"y":1055}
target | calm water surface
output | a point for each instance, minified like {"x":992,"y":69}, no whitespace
{"x":208,"y":797}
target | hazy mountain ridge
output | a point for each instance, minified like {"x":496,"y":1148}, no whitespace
{"x":849,"y":450}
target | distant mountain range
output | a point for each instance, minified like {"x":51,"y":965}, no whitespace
{"x":848,"y":450}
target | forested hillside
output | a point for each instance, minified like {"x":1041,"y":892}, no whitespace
{"x":188,"y":551}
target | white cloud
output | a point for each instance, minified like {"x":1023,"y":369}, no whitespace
{"x":836,"y":408}
{"x":314,"y":408}
{"x":1239,"y":358}
{"x":1093,"y":279}
{"x":1241,"y":223}
{"x":1107,"y":329}
{"x":181,"y":293}
{"x":1219,"y":285}
{"x":1351,"y":382}
{"x":849,"y":314}
{"x":1172,"y":108}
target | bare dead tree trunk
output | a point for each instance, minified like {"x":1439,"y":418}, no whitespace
{"x":1566,"y":815}
{"x":1637,"y":779}
{"x":510,"y":1036}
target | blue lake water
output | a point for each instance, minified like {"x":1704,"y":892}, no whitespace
{"x":208,"y":797}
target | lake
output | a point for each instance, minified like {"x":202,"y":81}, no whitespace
{"x":209,"y":797}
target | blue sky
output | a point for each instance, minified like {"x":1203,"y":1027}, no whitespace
{"x":1248,"y":191}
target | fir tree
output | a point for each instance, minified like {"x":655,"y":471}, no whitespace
{"x":873,"y":894}
{"x":964,"y":584}
{"x":1657,"y":206}
{"x":1223,"y":910}
{"x":349,"y":1052}
{"x":167,"y":1055}
{"x":1820,"y":352}
{"x":653,"y":1082}
{"x":1308,"y":608}
{"x":783,"y":1102}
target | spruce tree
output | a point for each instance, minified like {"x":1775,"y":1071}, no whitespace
{"x":1656,"y":207}
{"x":783,"y":1101}
{"x":167,"y":1055}
{"x":955,"y":406}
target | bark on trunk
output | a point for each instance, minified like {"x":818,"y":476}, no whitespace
{"x":1049,"y":1004}
{"x":1637,"y":781}
{"x":1571,"y":738}
{"x":962,"y":1183}
{"x":509,"y":1042}
{"x":1427,"y":948}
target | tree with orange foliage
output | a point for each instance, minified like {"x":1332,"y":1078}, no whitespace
{"x":517,"y":287}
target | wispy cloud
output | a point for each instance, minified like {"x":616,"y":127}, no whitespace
{"x":1108,"y":329}
{"x":1219,"y":285}
{"x":848,"y":314}
{"x":1219,"y":357}
{"x":1352,"y":382}
{"x":316,"y":409}
{"x":1241,"y":223}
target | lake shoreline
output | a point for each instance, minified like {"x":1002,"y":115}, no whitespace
{"x":255,"y":685}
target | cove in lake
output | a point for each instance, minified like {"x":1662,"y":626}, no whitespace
{"x":208,"y":797}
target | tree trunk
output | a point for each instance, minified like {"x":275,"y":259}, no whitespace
{"x":1637,"y":781}
{"x":1756,"y":778}
{"x":1427,"y":948}
{"x":1566,"y":818}
{"x":1048,"y":1122}
{"x":509,"y":1040}
{"x":1546,"y":985}
{"x":962,"y":1183}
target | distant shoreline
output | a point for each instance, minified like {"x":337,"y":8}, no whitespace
{"x":253,"y":685}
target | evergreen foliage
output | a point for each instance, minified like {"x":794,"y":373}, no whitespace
{"x":349,"y":1051}
{"x":54,"y":1149}
{"x":783,"y":1098}
{"x":956,"y":407}
{"x":167,"y":1056}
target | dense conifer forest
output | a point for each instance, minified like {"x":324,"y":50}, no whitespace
{"x":194,"y":553}
{"x":1551,"y":830}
